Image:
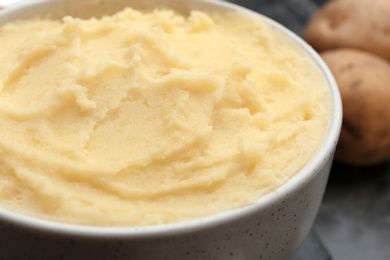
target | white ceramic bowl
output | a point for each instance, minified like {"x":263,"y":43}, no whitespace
{"x":271,"y":228}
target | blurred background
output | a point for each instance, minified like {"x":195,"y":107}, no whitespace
{"x":354,"y":219}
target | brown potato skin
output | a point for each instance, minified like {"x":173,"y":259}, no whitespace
{"x":364,"y":83}
{"x":359,"y":24}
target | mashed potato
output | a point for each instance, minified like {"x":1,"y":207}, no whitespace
{"x":147,"y":118}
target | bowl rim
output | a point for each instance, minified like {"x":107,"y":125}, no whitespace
{"x":308,"y":172}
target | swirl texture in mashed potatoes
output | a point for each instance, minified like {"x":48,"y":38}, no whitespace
{"x":147,"y":118}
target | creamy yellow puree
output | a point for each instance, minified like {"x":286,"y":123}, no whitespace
{"x":147,"y":118}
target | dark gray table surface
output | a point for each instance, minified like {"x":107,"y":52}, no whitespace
{"x":353,"y":222}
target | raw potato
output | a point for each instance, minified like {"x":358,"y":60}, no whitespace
{"x":364,"y":83}
{"x":363,"y":24}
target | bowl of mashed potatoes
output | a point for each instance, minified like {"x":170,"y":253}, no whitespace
{"x":159,"y":129}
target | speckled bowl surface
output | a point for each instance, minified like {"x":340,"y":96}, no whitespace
{"x":271,"y":228}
